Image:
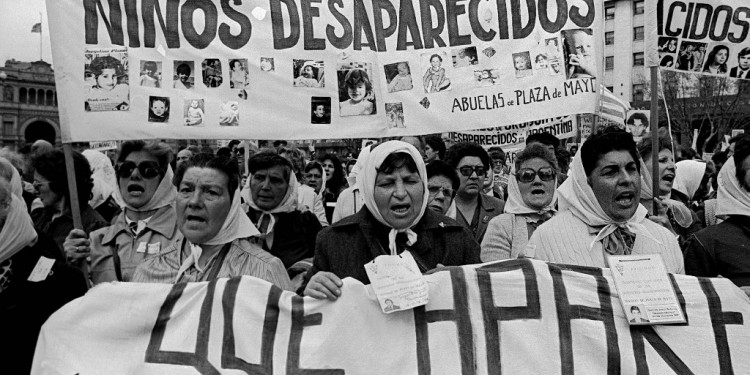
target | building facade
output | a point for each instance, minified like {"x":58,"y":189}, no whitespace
{"x":28,"y":104}
{"x":624,"y":50}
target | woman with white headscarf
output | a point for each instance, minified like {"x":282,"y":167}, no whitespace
{"x":350,"y":200}
{"x":26,"y":300}
{"x":393,"y":182}
{"x":147,"y":223}
{"x":531,"y":202}
{"x":215,"y":238}
{"x":721,"y":250}
{"x":599,"y":210}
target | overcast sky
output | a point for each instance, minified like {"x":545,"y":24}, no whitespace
{"x":17,"y":17}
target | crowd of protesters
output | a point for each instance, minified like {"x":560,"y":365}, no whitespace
{"x":158,"y":215}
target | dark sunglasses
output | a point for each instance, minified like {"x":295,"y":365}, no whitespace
{"x":434,"y":190}
{"x":147,"y":169}
{"x":528,"y":175}
{"x":467,"y":170}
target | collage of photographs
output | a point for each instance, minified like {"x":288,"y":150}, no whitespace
{"x":570,"y":55}
{"x":720,"y":59}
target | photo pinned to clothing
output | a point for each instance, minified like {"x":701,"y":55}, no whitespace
{"x":578,"y":53}
{"x":106,"y":79}
{"x":309,"y":73}
{"x":522,"y":64}
{"x":238,"y":78}
{"x":211,"y":73}
{"x":356,"y":89}
{"x":486,"y":77}
{"x":229,"y":113}
{"x":194,"y":112}
{"x":435,"y":78}
{"x":398,"y":76}
{"x":320,"y":107}
{"x":150,"y":75}
{"x":394,"y":113}
{"x":267,"y":64}
{"x":184,"y":78}
{"x":690,"y":56}
{"x":463,"y":57}
{"x":158,"y":109}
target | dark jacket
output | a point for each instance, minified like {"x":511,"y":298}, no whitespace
{"x":489,"y":207}
{"x":346,"y":246}
{"x":293,"y":235}
{"x":59,"y":228}
{"x":722,"y":249}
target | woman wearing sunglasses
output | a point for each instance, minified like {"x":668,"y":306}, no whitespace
{"x":147,"y":223}
{"x":530,"y":203}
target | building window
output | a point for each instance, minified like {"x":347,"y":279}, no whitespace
{"x":638,"y":7}
{"x":22,"y":95}
{"x":609,"y":62}
{"x":8,"y":128}
{"x":609,"y":13}
{"x":32,"y":96}
{"x":638,"y":95}
{"x":609,"y":37}
{"x":8,"y":93}
{"x":48,"y":99}
{"x":638,"y":33}
{"x":638,"y":59}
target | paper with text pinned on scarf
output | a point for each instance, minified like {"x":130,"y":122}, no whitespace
{"x":397,"y":282}
{"x":645,"y":290}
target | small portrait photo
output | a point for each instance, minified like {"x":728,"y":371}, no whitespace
{"x":242,"y":94}
{"x":194,"y":112}
{"x":394,"y":113}
{"x":690,"y":56}
{"x":266,"y":64}
{"x":637,"y":123}
{"x":184,"y":75}
{"x":578,"y":53}
{"x":211,"y":72}
{"x":463,"y":57}
{"x":435,"y":78}
{"x":398,"y":76}
{"x":486,"y":77}
{"x":742,"y":69}
{"x":308,"y":73}
{"x":555,"y":67}
{"x":540,"y":62}
{"x":150,"y":73}
{"x":489,"y":52}
{"x":356,"y":90}
{"x":666,"y":60}
{"x":636,"y":314}
{"x":320,"y":108}
{"x":106,"y":79}
{"x":667,"y":44}
{"x":552,"y":46}
{"x":158,"y":109}
{"x":390,"y":306}
{"x":238,"y":74}
{"x":522,"y":64}
{"x":229,"y":113}
{"x":716,"y":62}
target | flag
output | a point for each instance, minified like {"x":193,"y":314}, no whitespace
{"x":37,"y":28}
{"x":611,"y":107}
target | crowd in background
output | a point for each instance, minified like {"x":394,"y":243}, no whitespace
{"x":303,"y":223}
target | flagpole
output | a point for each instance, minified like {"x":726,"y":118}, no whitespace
{"x":40,"y":37}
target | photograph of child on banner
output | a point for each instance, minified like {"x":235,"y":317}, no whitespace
{"x":321,"y":110}
{"x":486,"y":77}
{"x":183,"y":78}
{"x":690,"y":57}
{"x":464,"y":57}
{"x":107,"y":81}
{"x":238,"y":74}
{"x":540,"y":62}
{"x":395,"y":115}
{"x":194,"y":112}
{"x":266,"y":64}
{"x":211,"y":72}
{"x":356,"y":94}
{"x":398,"y":76}
{"x":579,"y":54}
{"x":158,"y":109}
{"x":308,"y":73}
{"x":522,"y":64}
{"x":435,"y":79}
{"x":150,"y":73}
{"x":229,"y":114}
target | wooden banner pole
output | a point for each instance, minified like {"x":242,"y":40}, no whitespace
{"x":655,"y":136}
{"x":75,"y":207}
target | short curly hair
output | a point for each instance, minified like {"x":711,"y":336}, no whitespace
{"x":160,"y":151}
{"x":463,"y":149}
{"x":99,"y":63}
{"x":536,"y":151}
{"x":223,"y":164}
{"x":51,"y":165}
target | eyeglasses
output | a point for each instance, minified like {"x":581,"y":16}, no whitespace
{"x":468,"y":170}
{"x":434,"y":190}
{"x":147,"y":169}
{"x":37,"y":184}
{"x":528,"y":175}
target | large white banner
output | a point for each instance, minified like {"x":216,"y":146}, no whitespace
{"x":301,"y":69}
{"x":512,"y":317}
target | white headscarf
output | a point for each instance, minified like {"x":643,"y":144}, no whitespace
{"x":16,"y":187}
{"x":18,"y":231}
{"x":688,"y":176}
{"x":516,"y":205}
{"x":356,"y":170}
{"x":288,"y":204}
{"x":732,"y":198}
{"x":577,"y":196}
{"x":165,"y":194}
{"x":105,"y":180}
{"x":366,"y":181}
{"x":681,"y":213}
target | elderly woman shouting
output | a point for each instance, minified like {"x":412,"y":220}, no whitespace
{"x":147,"y":223}
{"x":600,"y":213}
{"x":214,"y":239}
{"x":393,"y":183}
{"x":530,"y":203}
